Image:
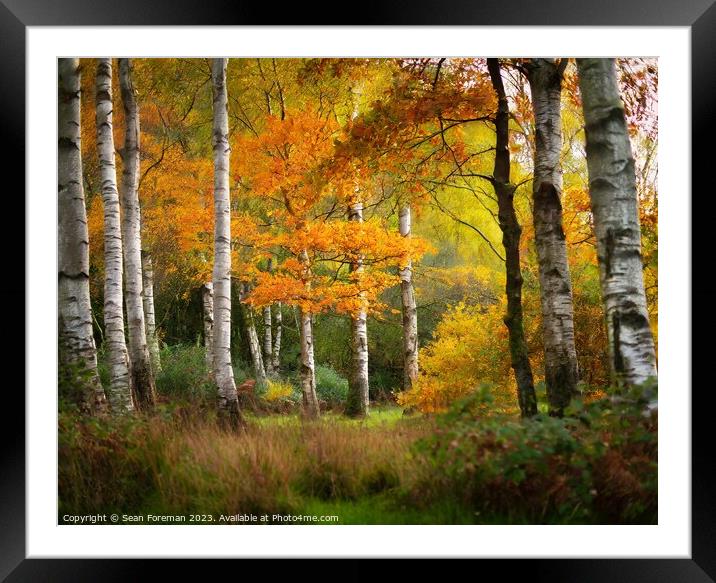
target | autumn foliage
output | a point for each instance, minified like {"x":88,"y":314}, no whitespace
{"x":304,"y":191}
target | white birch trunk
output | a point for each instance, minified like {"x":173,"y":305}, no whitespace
{"x":308,"y":368}
{"x":560,"y":354}
{"x":141,"y":368}
{"x":268,"y":324}
{"x":223,"y":373}
{"x":268,"y":340}
{"x":276,"y":350}
{"x":149,"y":315}
{"x":76,"y":342}
{"x":120,"y":385}
{"x":207,"y":301}
{"x":410,"y":311}
{"x":612,"y":189}
{"x":272,"y":338}
{"x":257,"y":360}
{"x":311,"y":407}
{"x":357,"y":403}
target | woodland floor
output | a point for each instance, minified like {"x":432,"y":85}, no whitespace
{"x":177,"y":461}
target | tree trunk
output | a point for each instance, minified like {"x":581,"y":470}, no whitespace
{"x":207,"y":300}
{"x":308,"y":368}
{"x":410,"y":311}
{"x":142,"y":376}
{"x":612,"y":189}
{"x":311,"y":408}
{"x":276,"y":350}
{"x":121,"y":397}
{"x":511,"y":232}
{"x":149,"y":317}
{"x":560,"y":354}
{"x":268,"y":333}
{"x":357,"y":402}
{"x":223,"y":373}
{"x":268,"y":340}
{"x":257,"y":360}
{"x":76,"y":342}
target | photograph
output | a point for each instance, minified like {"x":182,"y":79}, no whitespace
{"x":357,"y":290}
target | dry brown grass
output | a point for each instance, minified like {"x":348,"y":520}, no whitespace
{"x":184,"y":465}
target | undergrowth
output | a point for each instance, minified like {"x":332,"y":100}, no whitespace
{"x":597,"y":465}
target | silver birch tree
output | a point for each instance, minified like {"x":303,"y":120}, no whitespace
{"x":358,"y":399}
{"x":410,"y":311}
{"x":267,"y":340}
{"x":268,"y":334}
{"x":560,"y":354}
{"x":76,"y":342}
{"x":207,"y":301}
{"x":272,"y":337}
{"x":228,"y":403}
{"x":149,"y":314}
{"x":276,"y":349}
{"x":311,"y":407}
{"x":270,"y":362}
{"x":612,"y":190}
{"x":357,"y":402}
{"x":141,"y":368}
{"x":252,"y":336}
{"x":120,"y":392}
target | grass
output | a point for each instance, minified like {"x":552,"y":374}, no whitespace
{"x":281,"y":464}
{"x":382,"y":509}
{"x":598,"y":466}
{"x":386,"y":417}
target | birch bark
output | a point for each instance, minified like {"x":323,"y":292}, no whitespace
{"x":207,"y":300}
{"x":560,"y":354}
{"x":612,"y":189}
{"x":223,"y":373}
{"x":76,"y":341}
{"x":276,"y":347}
{"x":268,"y":340}
{"x":511,"y":232}
{"x":410,"y":311}
{"x":120,"y":392}
{"x":311,"y":408}
{"x":276,"y":350}
{"x":149,"y":315}
{"x":141,"y":368}
{"x":357,"y":402}
{"x":257,"y":360}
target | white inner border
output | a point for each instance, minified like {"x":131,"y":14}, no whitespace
{"x":670,"y":538}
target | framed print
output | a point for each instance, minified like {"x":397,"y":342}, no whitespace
{"x":388,"y":288}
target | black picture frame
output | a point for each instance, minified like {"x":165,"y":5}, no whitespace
{"x":699,"y":15}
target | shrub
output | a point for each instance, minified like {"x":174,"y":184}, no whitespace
{"x":102,"y":463}
{"x":278,"y":390}
{"x":241,"y":372}
{"x":103,"y":367}
{"x":184,"y":374}
{"x":74,"y":382}
{"x":330,"y":386}
{"x":597,"y":466}
{"x":467,"y":350}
